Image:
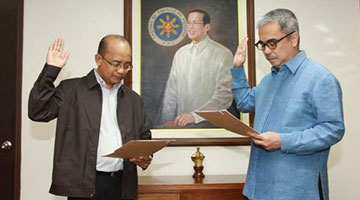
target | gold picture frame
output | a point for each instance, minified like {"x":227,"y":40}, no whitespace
{"x":191,"y":137}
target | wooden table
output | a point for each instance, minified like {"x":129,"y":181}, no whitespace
{"x":215,"y":187}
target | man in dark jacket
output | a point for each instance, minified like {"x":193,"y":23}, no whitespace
{"x":95,"y":114}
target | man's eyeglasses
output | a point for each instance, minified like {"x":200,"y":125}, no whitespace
{"x":271,"y":44}
{"x":116,"y":64}
{"x":195,"y":23}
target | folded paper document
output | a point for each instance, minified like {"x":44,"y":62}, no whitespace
{"x":136,"y":148}
{"x":224,"y":119}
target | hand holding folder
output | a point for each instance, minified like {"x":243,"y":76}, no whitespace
{"x":137,"y":148}
{"x":224,"y":119}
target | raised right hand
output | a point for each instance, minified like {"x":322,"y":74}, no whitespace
{"x":56,"y":55}
{"x":240,"y":54}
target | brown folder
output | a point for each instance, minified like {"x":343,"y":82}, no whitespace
{"x":224,"y":119}
{"x":136,"y":148}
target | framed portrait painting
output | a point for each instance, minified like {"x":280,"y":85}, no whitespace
{"x":164,"y":28}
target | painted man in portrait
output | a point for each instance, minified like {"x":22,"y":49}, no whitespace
{"x":199,"y":78}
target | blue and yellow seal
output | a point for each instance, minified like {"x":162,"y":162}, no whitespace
{"x":167,"y":26}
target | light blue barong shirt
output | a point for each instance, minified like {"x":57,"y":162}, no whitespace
{"x":303,"y":103}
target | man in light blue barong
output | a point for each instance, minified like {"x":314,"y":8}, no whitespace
{"x":298,"y":113}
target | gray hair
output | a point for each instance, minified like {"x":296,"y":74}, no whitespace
{"x":286,"y":19}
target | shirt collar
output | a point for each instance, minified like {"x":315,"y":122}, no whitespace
{"x":292,"y":64}
{"x":274,"y":70}
{"x":200,"y":45}
{"x":102,"y":82}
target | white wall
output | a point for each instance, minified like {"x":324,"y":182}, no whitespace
{"x":329,"y":33}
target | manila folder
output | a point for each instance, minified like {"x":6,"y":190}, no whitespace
{"x":136,"y":148}
{"x":224,"y":119}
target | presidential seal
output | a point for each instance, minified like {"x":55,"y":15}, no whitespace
{"x":167,"y":26}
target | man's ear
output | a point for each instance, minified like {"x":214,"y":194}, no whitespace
{"x":295,"y":39}
{"x":98,"y":59}
{"x":207,"y":27}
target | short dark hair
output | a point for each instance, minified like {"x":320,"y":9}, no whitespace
{"x":206,"y":16}
{"x":103,"y":45}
